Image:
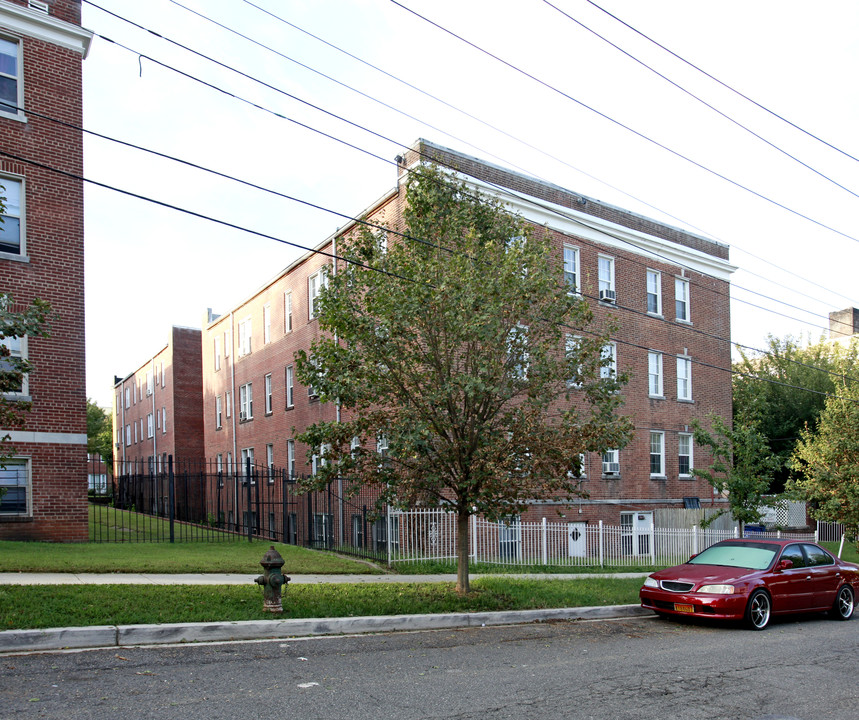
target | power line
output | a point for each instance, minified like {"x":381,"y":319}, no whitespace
{"x":626,"y":127}
{"x":700,"y":100}
{"x":723,"y":84}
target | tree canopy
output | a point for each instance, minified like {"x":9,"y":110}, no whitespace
{"x":469,"y":375}
{"x":99,"y":432}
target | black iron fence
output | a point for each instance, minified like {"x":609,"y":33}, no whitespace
{"x":203,"y":501}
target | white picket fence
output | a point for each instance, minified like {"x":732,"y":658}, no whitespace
{"x":421,"y":535}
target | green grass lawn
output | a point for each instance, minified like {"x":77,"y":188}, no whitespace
{"x":188,"y":557}
{"x":81,"y":605}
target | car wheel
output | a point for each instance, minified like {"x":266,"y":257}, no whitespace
{"x":843,"y":607}
{"x":758,"y":610}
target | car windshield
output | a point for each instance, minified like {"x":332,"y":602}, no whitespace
{"x":753,"y":556}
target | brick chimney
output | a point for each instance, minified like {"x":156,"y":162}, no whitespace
{"x":843,"y":323}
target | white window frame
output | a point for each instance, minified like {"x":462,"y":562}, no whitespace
{"x":684,"y":378}
{"x":15,"y":209}
{"x":246,"y":402}
{"x":18,"y":111}
{"x":654,"y":289}
{"x":268,"y":398}
{"x":228,"y":343}
{"x":657,"y":452}
{"x":266,"y":324}
{"x":269,"y":461}
{"x":22,"y":479}
{"x":609,"y":350}
{"x":290,"y":387}
{"x":228,"y":403}
{"x":217,"y":354}
{"x":315,"y":283}
{"x":246,"y":328}
{"x":611,"y":458}
{"x":519,"y":363}
{"x":218,"y":413}
{"x":571,"y":269}
{"x":287,"y":312}
{"x":18,"y":348}
{"x":605,"y":273}
{"x":163,"y":420}
{"x":654,"y":374}
{"x":150,"y":425}
{"x":128,"y":435}
{"x":246,"y":454}
{"x":135,"y":431}
{"x":290,"y":458}
{"x":681,"y":439}
{"x":681,"y":300}
{"x":127,"y":397}
{"x":572,"y":344}
{"x":150,"y":385}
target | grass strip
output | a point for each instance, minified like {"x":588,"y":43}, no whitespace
{"x":24,"y":607}
{"x":187,"y":557}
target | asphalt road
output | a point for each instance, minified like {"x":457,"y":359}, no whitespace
{"x":623,"y":669}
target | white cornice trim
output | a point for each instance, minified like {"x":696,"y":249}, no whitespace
{"x":44,"y":438}
{"x":594,"y":229}
{"x":23,"y":21}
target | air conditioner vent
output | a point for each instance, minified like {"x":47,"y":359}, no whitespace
{"x":609,"y":296}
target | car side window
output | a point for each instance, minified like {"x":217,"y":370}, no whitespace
{"x":794,"y":554}
{"x":817,"y":556}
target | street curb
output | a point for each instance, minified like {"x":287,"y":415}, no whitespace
{"x":16,"y":641}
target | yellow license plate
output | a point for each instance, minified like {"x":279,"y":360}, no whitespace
{"x":684,"y":608}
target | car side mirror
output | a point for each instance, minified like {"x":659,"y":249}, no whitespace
{"x":784,"y":564}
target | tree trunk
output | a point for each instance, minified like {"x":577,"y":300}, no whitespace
{"x":462,"y":585}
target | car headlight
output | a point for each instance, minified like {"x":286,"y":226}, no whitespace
{"x":717,"y":589}
{"x":650,"y":582}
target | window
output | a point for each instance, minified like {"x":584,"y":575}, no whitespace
{"x":654,"y":292}
{"x":127,"y":398}
{"x":315,"y":283}
{"x":10,"y":87}
{"x":681,"y":299}
{"x":290,"y":458}
{"x":571,"y":352}
{"x":245,"y":332}
{"x":571,"y":268}
{"x":606,"y":278}
{"x":611,"y":462}
{"x":219,"y":466}
{"x":217,"y":353}
{"x":230,"y":463}
{"x":157,"y":420}
{"x":684,"y":378}
{"x":17,"y":351}
{"x":11,"y":237}
{"x":382,"y":448}
{"x":654,"y":374}
{"x":163,"y":420}
{"x":162,"y":374}
{"x":517,"y":352}
{"x":150,"y":386}
{"x":15,"y":480}
{"x":268,"y":394}
{"x":150,"y":425}
{"x":582,"y":471}
{"x":228,"y":343}
{"x":354,"y":446}
{"x":128,"y":436}
{"x":608,"y":357}
{"x":290,"y":388}
{"x":247,"y":461}
{"x":269,"y":462}
{"x":135,"y":432}
{"x":287,"y":312}
{"x":228,"y":402}
{"x":657,"y":454}
{"x":266,"y":324}
{"x":218,"y":416}
{"x":684,"y":454}
{"x":246,"y":402}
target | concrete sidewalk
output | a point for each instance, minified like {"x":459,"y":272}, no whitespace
{"x":24,"y":641}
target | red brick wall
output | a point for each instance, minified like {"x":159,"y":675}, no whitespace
{"x":55,"y":272}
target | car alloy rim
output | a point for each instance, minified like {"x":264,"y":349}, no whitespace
{"x":845,"y":602}
{"x":760,"y":610}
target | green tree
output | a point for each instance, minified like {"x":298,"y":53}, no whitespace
{"x":16,"y":323}
{"x":743,"y":463}
{"x":826,"y":459}
{"x":792,"y":381}
{"x":99,"y":432}
{"x":460,"y":353}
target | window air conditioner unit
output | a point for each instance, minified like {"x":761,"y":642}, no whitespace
{"x":242,"y":416}
{"x":610,"y":468}
{"x":609,"y":296}
{"x":312,"y":394}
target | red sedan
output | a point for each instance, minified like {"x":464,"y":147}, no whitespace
{"x":752,"y":580}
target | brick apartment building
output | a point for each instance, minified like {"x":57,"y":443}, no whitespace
{"x":158,"y":408}
{"x":42,"y":47}
{"x":667,"y":289}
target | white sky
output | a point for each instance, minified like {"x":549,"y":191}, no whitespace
{"x":149,"y":267}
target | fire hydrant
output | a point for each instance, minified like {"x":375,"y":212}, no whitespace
{"x":272,"y":580}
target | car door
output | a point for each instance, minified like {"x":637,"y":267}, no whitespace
{"x":825,"y":576}
{"x":791,"y":588}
